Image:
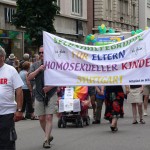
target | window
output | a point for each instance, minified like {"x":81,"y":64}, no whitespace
{"x":133,"y":10}
{"x":108,"y":8}
{"x":77,"y":7}
{"x":126,"y":8}
{"x":9,"y":12}
{"x":148,"y":3}
{"x":148,"y":22}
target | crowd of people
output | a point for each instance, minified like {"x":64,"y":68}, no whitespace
{"x":24,"y":96}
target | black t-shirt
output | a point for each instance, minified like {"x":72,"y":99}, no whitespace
{"x":39,"y":82}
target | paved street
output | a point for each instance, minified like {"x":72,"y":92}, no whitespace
{"x":93,"y":137}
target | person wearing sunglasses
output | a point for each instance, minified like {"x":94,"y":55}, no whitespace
{"x":45,"y":98}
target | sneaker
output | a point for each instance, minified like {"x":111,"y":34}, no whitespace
{"x":50,"y":139}
{"x":145,"y":113}
{"x":142,"y":121}
{"x":46,"y":144}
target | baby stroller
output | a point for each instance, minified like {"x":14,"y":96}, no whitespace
{"x":81,"y":117}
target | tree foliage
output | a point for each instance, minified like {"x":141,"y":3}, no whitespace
{"x":36,"y":16}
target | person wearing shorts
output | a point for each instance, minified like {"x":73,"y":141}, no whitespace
{"x":146,"y":92}
{"x":45,"y":98}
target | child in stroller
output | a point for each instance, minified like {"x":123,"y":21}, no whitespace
{"x":78,"y":118}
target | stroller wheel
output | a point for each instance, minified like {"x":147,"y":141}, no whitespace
{"x":77,"y":123}
{"x":59,"y":123}
{"x":87,"y":121}
{"x":64,"y":123}
{"x":81,"y":122}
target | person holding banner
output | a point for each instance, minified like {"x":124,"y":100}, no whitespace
{"x":45,"y":98}
{"x":135,"y":97}
{"x":114,"y":98}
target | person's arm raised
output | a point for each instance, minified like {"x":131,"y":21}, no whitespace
{"x":33,"y":74}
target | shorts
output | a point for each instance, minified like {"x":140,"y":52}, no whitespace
{"x":146,"y":90}
{"x":8,"y":134}
{"x":40,"y":109}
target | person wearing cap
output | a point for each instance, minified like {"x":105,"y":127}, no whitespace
{"x":11,"y":99}
{"x":11,"y":59}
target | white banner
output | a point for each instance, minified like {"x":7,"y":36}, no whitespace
{"x":72,"y":64}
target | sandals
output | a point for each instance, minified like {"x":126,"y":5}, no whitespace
{"x":142,"y":121}
{"x":135,"y":122}
{"x":113,"y":129}
{"x":34,"y":118}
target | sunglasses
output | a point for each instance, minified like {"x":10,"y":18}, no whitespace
{"x":40,"y":52}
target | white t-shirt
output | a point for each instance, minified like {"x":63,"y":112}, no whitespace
{"x":9,"y":81}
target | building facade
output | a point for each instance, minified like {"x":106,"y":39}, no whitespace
{"x":144,"y":13}
{"x":71,"y":23}
{"x":10,"y":37}
{"x":121,"y":15}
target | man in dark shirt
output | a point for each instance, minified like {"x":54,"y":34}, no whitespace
{"x":45,"y":98}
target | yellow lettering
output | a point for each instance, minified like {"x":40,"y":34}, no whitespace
{"x":115,"y":79}
{"x":80,"y":55}
{"x":80,"y":79}
{"x":121,"y":79}
{"x":99,"y":79}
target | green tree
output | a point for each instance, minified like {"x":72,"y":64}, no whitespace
{"x":36,"y":16}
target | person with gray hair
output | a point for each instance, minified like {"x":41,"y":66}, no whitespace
{"x":2,"y":52}
{"x":26,"y":57}
{"x":11,"y":98}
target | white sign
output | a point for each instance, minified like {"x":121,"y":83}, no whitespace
{"x":69,"y":93}
{"x":67,"y":105}
{"x":76,"y":105}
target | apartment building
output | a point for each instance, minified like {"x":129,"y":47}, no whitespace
{"x":71,"y":23}
{"x":121,"y":15}
{"x":144,"y":13}
{"x":7,"y":9}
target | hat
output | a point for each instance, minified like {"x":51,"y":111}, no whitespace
{"x":26,"y":55}
{"x":11,"y":56}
